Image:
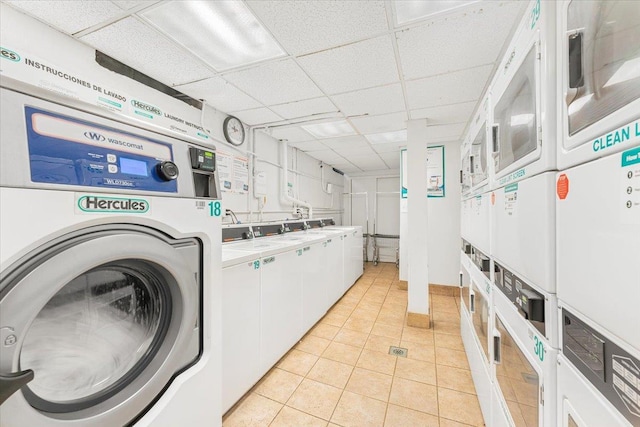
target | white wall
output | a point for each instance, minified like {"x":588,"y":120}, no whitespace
{"x":444,"y":223}
{"x":39,"y":42}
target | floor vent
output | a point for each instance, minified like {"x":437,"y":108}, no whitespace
{"x":398,"y":351}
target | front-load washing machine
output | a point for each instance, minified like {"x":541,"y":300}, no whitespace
{"x":109,"y":302}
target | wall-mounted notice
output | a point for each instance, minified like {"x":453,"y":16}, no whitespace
{"x":435,"y":171}
{"x":225,"y":170}
{"x":403,"y":173}
{"x":240,"y":175}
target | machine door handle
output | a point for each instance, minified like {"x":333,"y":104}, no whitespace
{"x":10,"y":383}
{"x":576,"y":74}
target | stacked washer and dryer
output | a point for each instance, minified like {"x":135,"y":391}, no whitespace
{"x":565,"y":222}
{"x":281,"y":278}
{"x":109,"y":301}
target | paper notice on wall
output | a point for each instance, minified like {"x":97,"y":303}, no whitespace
{"x":241,"y":175}
{"x":225,"y":170}
{"x":435,"y":171}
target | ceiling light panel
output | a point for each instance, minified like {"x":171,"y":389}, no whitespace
{"x":452,"y":88}
{"x":309,"y":146}
{"x":143,"y":48}
{"x":275,"y":83}
{"x":411,"y":10}
{"x":305,"y":108}
{"x":347,"y":141}
{"x":291,"y":134}
{"x":310,"y":26}
{"x":219,"y":94}
{"x":69,"y":16}
{"x":378,"y":124}
{"x":330,"y":129}
{"x":387,"y":137}
{"x":459,"y":42}
{"x":257,"y":116}
{"x":356,"y":66}
{"x":374,"y":101}
{"x":224,"y":34}
{"x":455,"y":113}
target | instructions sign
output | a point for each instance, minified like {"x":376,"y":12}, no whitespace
{"x":435,"y":171}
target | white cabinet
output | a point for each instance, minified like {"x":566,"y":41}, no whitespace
{"x":280,"y":307}
{"x":240,"y":330}
{"x":315,"y":289}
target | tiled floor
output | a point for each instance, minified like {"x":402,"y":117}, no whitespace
{"x":341,"y":373}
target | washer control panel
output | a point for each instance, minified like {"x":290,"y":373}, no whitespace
{"x":69,"y":151}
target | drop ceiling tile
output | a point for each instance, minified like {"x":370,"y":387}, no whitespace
{"x":309,"y":146}
{"x":392,"y":159}
{"x":294,"y":134}
{"x":327,"y":156}
{"x":460,"y":41}
{"x":383,"y":123}
{"x":390,"y":147}
{"x":257,"y":116}
{"x":69,"y":16}
{"x":348,"y":168}
{"x":129,"y":4}
{"x":374,"y":101}
{"x":275,"y":82}
{"x":220,"y":94}
{"x":455,"y":113}
{"x":148,"y":51}
{"x":452,"y":131}
{"x":369,"y":163}
{"x":352,"y":152}
{"x":346,"y":141}
{"x":305,"y":108}
{"x":356,"y":66}
{"x":452,"y":88}
{"x":310,"y":26}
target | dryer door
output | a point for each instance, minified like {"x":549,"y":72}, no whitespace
{"x":105,"y":319}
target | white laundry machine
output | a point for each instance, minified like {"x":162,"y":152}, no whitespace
{"x":353,"y":251}
{"x":598,"y":380}
{"x":524,"y":100}
{"x":599,"y":82}
{"x":335,"y":265}
{"x":109,"y":302}
{"x":240,"y":317}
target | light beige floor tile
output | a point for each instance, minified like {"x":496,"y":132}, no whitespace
{"x":389,"y":331}
{"x":455,"y":358}
{"x":341,"y":311}
{"x":416,"y":370}
{"x":256,"y":410}
{"x":355,"y":410}
{"x":330,"y":372}
{"x":414,"y":395}
{"x":298,"y":362}
{"x":449,"y":341}
{"x":448,"y":306}
{"x":312,"y":344}
{"x":278,"y":385}
{"x":342,"y":353}
{"x":370,"y":384}
{"x":335,"y":319}
{"x":365,"y":313}
{"x":376,"y":361}
{"x":455,"y":379}
{"x":442,"y":327}
{"x":450,"y":423}
{"x":315,"y":398}
{"x":419,"y":351}
{"x":458,"y":406}
{"x":392,"y":320}
{"x":354,"y":338}
{"x":325,"y":331}
{"x":397,"y":416}
{"x":381,"y":344}
{"x":359,"y":325}
{"x":445,"y":316}
{"x":289,"y":417}
{"x":417,"y":335}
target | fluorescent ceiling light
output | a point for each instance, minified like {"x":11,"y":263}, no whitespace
{"x":224,"y":34}
{"x":410,"y":10}
{"x":330,"y":130}
{"x":381,"y":138}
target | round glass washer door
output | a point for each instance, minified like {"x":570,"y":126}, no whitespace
{"x":105,"y":319}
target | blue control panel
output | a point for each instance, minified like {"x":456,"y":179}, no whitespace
{"x":65,"y":150}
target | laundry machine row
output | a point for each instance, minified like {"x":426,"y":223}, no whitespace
{"x":109,"y":301}
{"x":277,"y":286}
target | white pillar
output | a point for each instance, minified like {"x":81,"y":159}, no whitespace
{"x":417,"y":248}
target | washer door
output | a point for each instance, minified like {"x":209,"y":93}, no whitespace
{"x":105,"y":319}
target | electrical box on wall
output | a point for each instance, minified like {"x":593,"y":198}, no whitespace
{"x":260,"y":184}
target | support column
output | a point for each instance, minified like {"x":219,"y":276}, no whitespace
{"x":418,"y":287}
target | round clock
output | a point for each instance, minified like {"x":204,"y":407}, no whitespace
{"x":233,"y":130}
